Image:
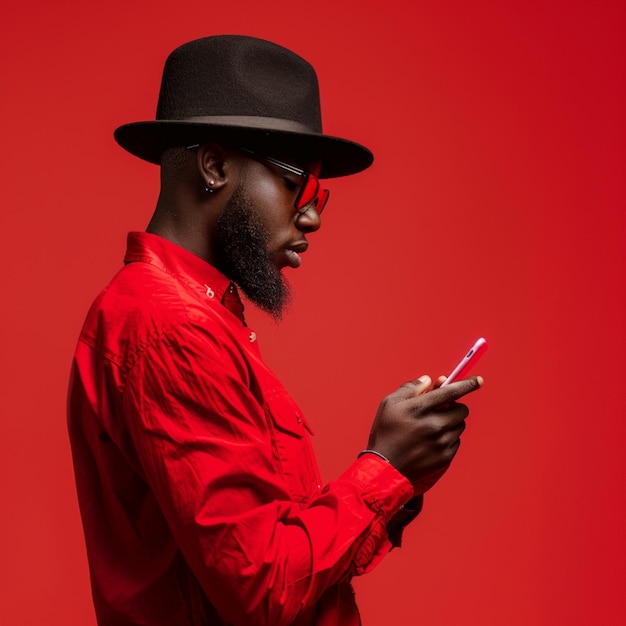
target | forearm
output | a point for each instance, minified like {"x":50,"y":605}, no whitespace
{"x":267,"y":563}
{"x":234,"y":475}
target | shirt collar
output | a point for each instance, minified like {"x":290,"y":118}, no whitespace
{"x":183,"y":265}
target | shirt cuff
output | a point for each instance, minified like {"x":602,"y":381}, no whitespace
{"x":384,"y":488}
{"x":402,"y":518}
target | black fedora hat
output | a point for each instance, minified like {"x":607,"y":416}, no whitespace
{"x":241,"y":91}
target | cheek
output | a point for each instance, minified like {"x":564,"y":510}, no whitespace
{"x":274,"y":204}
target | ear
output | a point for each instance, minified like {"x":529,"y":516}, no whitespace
{"x":210,"y":159}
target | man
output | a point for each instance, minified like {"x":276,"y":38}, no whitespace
{"x":199,"y":493}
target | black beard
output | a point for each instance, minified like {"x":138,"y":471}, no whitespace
{"x":241,"y":254}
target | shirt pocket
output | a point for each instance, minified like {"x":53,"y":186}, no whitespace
{"x":292,"y":446}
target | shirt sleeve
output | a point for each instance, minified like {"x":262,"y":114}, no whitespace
{"x":203,"y":443}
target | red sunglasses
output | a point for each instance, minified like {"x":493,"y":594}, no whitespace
{"x":311,"y":195}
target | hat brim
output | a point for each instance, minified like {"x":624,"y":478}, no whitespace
{"x":339,"y":157}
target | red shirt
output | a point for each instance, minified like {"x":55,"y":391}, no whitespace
{"x":199,"y":492}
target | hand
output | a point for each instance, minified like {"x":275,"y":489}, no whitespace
{"x":418,"y":428}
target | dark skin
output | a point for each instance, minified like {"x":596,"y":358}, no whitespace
{"x":187,"y":215}
{"x":418,"y":426}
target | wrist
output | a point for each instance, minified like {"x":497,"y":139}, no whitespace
{"x":378,"y":454}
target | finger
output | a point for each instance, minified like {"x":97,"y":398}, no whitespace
{"x":455,"y":413}
{"x":417,"y":387}
{"x":451,"y":440}
{"x":445,"y":418}
{"x":454,"y":391}
{"x":440,"y":381}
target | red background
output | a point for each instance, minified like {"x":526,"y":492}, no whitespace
{"x":495,"y":207}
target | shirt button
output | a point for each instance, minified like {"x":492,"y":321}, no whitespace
{"x":298,"y":419}
{"x":209,"y":292}
{"x":252,"y":337}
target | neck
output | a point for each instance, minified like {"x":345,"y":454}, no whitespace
{"x":184,"y":223}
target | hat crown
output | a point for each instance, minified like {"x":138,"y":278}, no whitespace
{"x":235,"y":75}
{"x":239,"y":90}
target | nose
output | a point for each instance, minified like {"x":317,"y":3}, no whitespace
{"x":309,"y":221}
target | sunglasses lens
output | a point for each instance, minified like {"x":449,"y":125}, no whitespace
{"x":323,"y":199}
{"x":311,"y":195}
{"x":308,"y":193}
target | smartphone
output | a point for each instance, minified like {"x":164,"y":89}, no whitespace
{"x":475,"y":352}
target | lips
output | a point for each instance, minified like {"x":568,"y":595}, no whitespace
{"x":293,"y":252}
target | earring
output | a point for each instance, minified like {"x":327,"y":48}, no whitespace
{"x":211,"y":183}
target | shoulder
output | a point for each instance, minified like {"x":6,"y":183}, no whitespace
{"x":144,"y":304}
